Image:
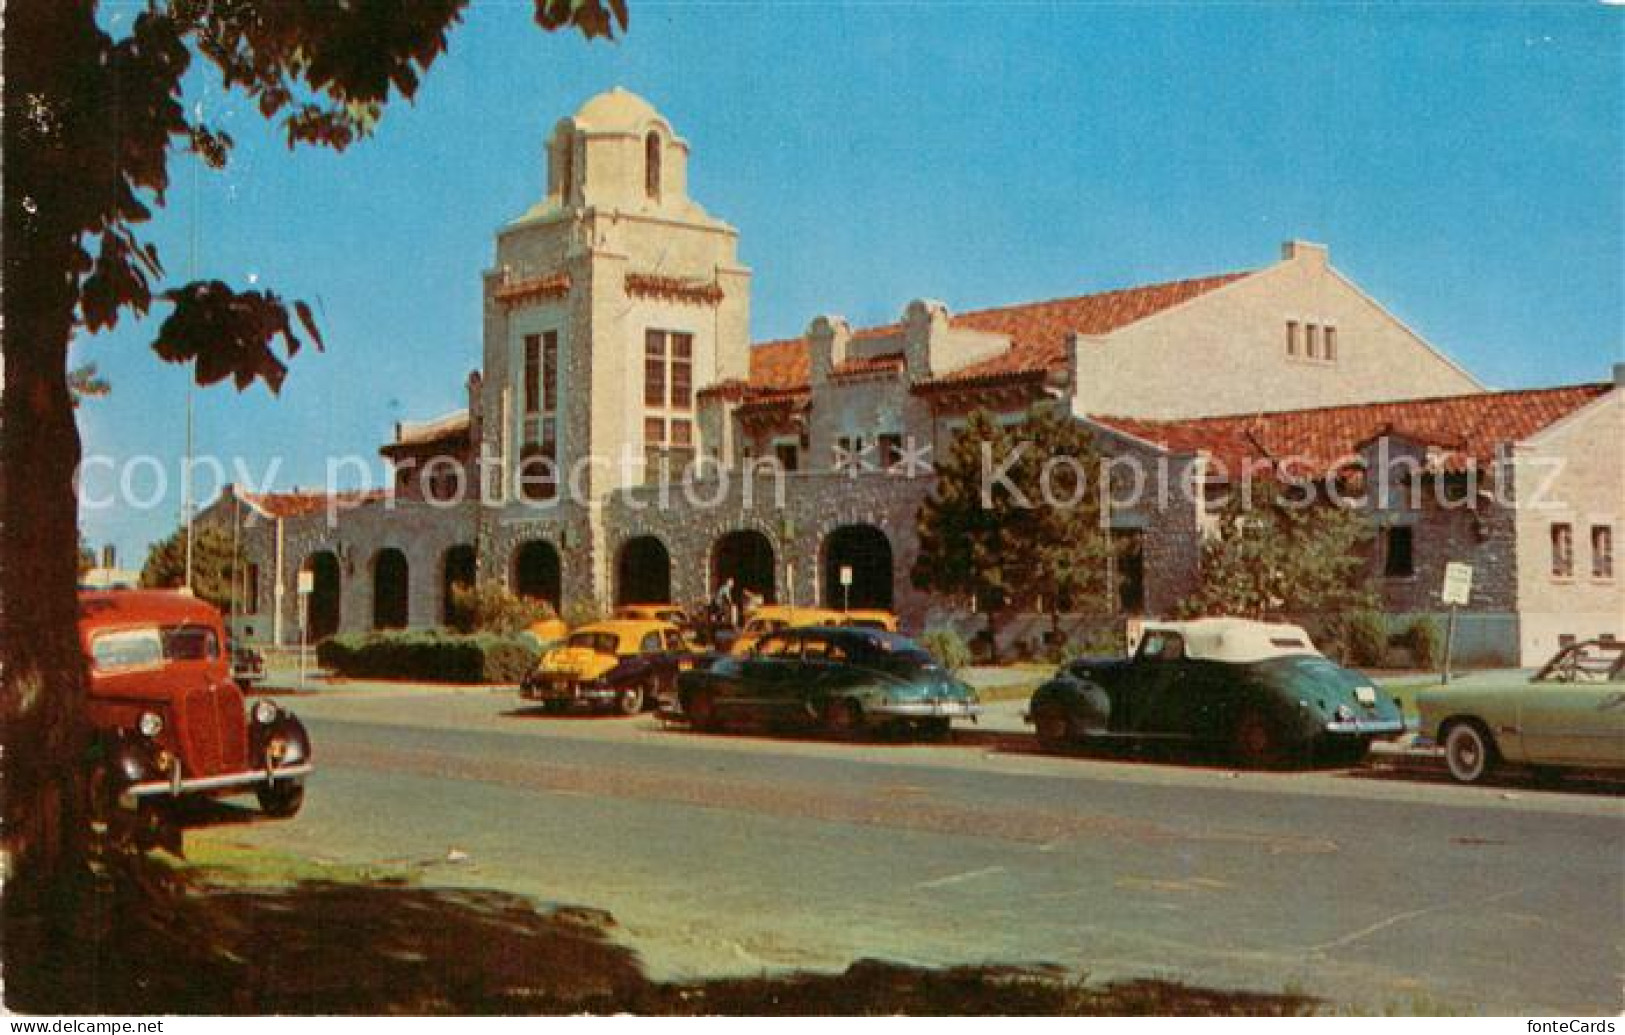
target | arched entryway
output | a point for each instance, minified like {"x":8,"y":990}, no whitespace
{"x":746,"y":556}
{"x":643,"y":572}
{"x":867,"y":552}
{"x":537,"y":573}
{"x":391,"y":589}
{"x":456,"y":569}
{"x":322,"y":609}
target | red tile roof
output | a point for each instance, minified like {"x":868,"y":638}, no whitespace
{"x":1038,"y":331}
{"x":1465,"y":428}
{"x":297,"y":503}
{"x":869,"y":365}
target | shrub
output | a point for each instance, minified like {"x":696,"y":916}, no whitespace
{"x":1423,"y":639}
{"x":430,"y":657}
{"x":1363,"y":638}
{"x":947,"y":646}
{"x":1102,"y":642}
{"x":492,"y":608}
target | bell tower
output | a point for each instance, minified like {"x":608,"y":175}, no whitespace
{"x":613,"y":301}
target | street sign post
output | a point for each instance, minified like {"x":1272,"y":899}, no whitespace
{"x":1458,"y":587}
{"x":846,"y":587}
{"x":306,"y":588}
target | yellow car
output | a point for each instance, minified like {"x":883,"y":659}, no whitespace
{"x":881,"y":621}
{"x":624,"y":665}
{"x":770,"y":618}
{"x":548,"y":630}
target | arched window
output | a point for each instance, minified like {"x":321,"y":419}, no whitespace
{"x":651,"y":164}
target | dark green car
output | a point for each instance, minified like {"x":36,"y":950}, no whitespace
{"x":843,"y":679}
{"x":1260,"y":690}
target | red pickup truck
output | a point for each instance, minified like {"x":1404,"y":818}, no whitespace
{"x":170,"y":721}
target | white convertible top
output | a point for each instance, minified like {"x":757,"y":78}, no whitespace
{"x":1237,"y":640}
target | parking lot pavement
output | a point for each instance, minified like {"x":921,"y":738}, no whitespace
{"x":737,"y":853}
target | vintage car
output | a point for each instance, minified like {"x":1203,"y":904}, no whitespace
{"x":619,"y":664}
{"x":169,"y":719}
{"x":548,"y":630}
{"x":843,"y":678}
{"x":773,"y":617}
{"x":885,"y":621}
{"x":247,"y":665}
{"x":1571,"y":713}
{"x":1259,"y":689}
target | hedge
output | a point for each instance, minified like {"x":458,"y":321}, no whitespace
{"x":430,"y":657}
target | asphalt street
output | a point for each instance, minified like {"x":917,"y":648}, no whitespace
{"x":743,"y":853}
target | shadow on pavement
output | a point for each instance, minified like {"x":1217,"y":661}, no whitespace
{"x":159,"y":941}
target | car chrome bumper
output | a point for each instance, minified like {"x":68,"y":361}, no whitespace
{"x":177,"y":785}
{"x":927,"y":710}
{"x":1366,"y":727}
{"x":567,"y":692}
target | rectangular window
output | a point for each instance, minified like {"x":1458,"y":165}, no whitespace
{"x":682,"y":431}
{"x":682,"y":371}
{"x":533,"y":373}
{"x":1602,"y":551}
{"x":1398,"y":552}
{"x":1292,"y":337}
{"x":251,"y":590}
{"x":654,"y":368}
{"x":550,"y":371}
{"x":789,"y":456}
{"x":1562,"y":550}
{"x":1329,"y":335}
{"x":1311,"y":339}
{"x":654,"y":431}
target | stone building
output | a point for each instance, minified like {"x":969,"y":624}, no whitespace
{"x":624,"y":440}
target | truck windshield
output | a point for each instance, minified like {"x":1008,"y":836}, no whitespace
{"x":133,"y":648}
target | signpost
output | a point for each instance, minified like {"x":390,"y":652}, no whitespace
{"x":307,"y":586}
{"x":846,"y":587}
{"x":1458,"y":586}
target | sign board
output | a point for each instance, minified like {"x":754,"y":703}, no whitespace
{"x":846,"y":574}
{"x":307,"y":583}
{"x":1458,"y":583}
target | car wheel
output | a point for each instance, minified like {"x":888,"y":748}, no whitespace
{"x":843,"y":717}
{"x":701,"y":709}
{"x":631,"y":701}
{"x":282,"y":799}
{"x":1469,"y":752}
{"x":1052,"y":728}
{"x":936,"y":729}
{"x":1257,"y":742}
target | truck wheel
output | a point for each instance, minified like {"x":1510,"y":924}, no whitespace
{"x":281,"y":800}
{"x":1469,"y":752}
{"x":631,"y":701}
{"x":1052,"y":728}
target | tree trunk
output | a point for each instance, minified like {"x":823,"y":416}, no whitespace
{"x":42,"y":688}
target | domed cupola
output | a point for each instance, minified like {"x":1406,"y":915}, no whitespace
{"x":617,"y":152}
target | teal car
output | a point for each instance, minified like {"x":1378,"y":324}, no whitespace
{"x":1259,"y":690}
{"x":843,"y":679}
{"x":1570,"y":714}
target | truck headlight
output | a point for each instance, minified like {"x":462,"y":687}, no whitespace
{"x":265,"y":712}
{"x":151,"y":724}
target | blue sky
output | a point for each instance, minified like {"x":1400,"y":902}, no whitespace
{"x":1463,"y":162}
